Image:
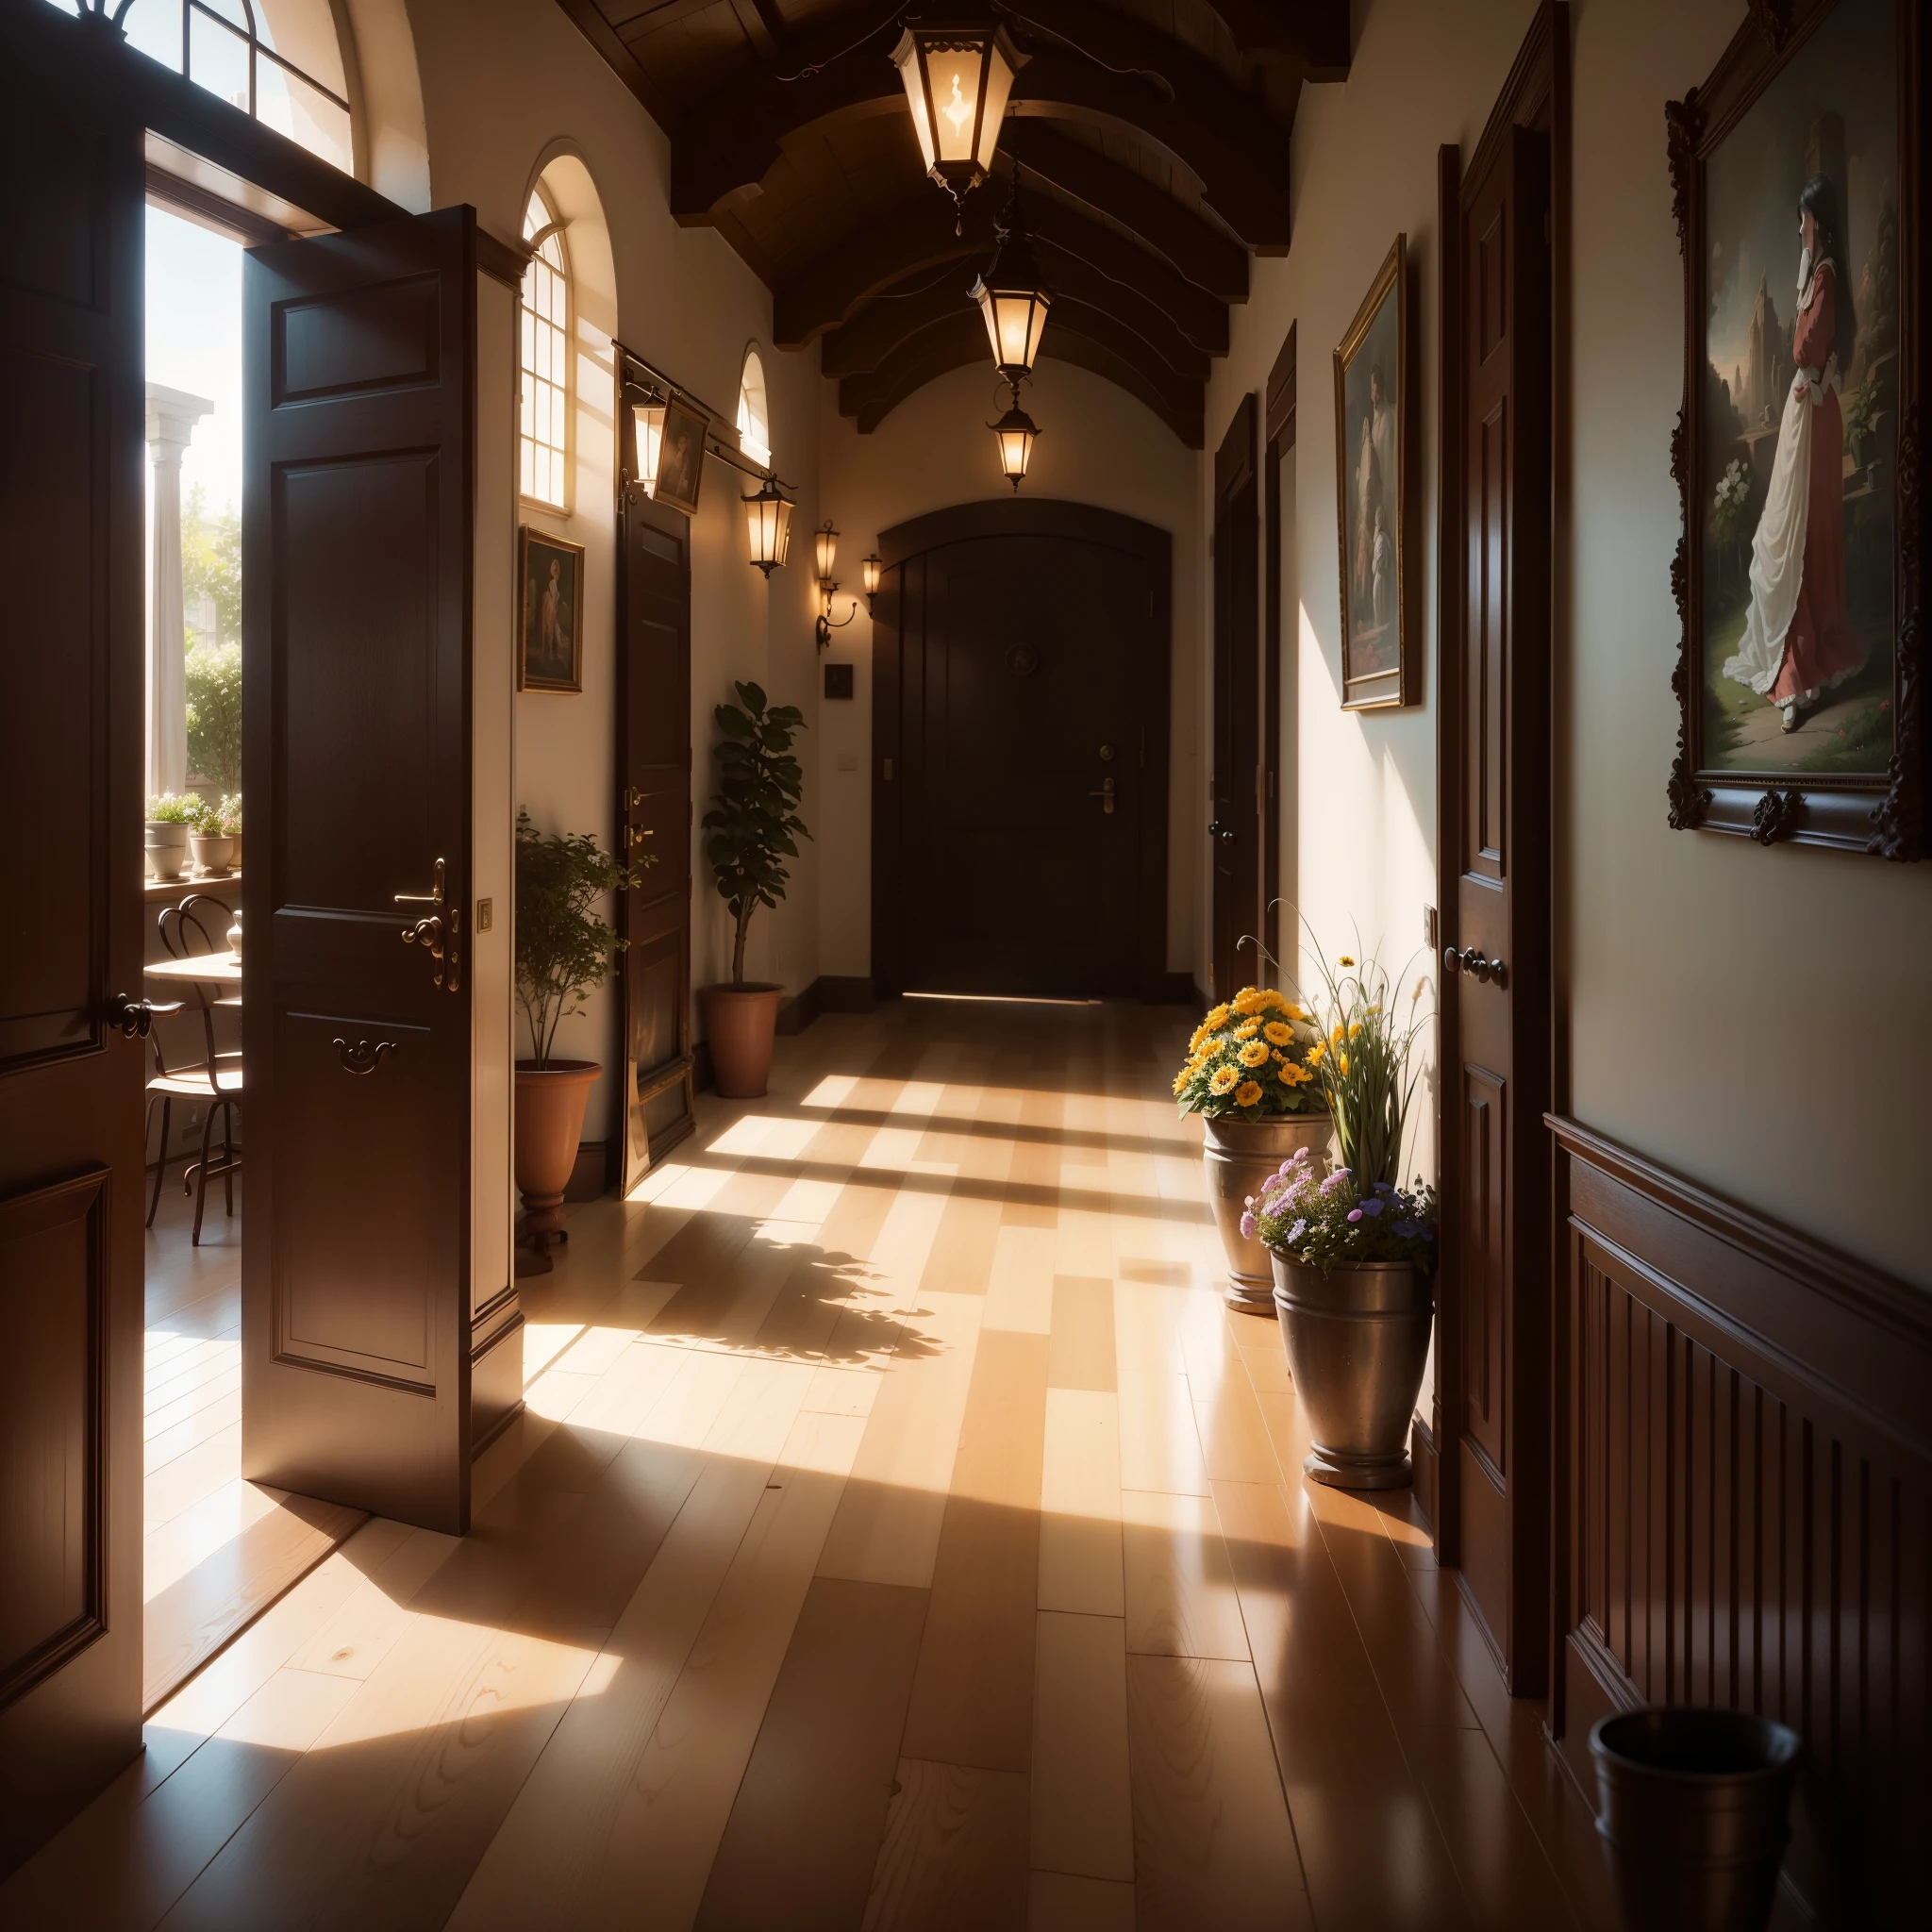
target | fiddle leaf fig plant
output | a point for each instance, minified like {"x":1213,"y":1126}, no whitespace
{"x":563,"y":946}
{"x":754,"y":813}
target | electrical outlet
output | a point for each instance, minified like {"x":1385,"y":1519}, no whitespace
{"x":1429,"y":928}
{"x":847,"y":761}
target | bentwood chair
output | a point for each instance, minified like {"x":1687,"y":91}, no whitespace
{"x":215,"y":1078}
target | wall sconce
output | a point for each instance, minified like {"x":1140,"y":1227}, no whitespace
{"x":1015,"y":433}
{"x":768,"y":527}
{"x":1013,"y":297}
{"x":957,"y":76}
{"x":824,"y":545}
{"x":873,"y":569}
{"x":649,"y":420}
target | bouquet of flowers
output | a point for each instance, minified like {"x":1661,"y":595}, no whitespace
{"x":1320,"y":1217}
{"x":1255,"y":1057}
{"x":1363,"y":1061}
{"x":1730,"y":503}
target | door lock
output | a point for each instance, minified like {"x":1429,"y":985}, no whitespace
{"x":435,"y":932}
{"x":1106,"y":794}
{"x":1224,"y":833}
{"x":1473,"y":962}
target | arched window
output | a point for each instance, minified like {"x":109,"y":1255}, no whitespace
{"x":278,"y":60}
{"x":545,"y":354}
{"x":753,"y":411}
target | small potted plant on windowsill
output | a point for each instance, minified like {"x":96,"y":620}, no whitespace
{"x":212,"y":843}
{"x":169,"y":820}
{"x":752,"y":822}
{"x":1251,"y":1075}
{"x":563,"y":949}
{"x":229,"y":812}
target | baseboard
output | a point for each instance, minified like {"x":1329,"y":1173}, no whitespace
{"x":1428,"y":1465}
{"x":798,"y":1012}
{"x":841,"y":993}
{"x":595,"y":1173}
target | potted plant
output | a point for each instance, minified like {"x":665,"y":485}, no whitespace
{"x":229,"y":812}
{"x":169,"y":818}
{"x":752,"y":822}
{"x":213,"y":844}
{"x":1251,"y":1074}
{"x":563,"y":949}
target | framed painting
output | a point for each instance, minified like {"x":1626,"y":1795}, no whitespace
{"x":550,"y":612}
{"x":1794,"y":174}
{"x":1372,"y":473}
{"x":681,"y":456}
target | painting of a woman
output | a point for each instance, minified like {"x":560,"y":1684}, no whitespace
{"x":1798,"y":641}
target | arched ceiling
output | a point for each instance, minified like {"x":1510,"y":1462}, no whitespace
{"x":1151,"y":141}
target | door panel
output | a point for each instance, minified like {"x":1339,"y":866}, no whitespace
{"x":655,"y":759}
{"x":1235,"y":833}
{"x":71,"y":747}
{"x":357,"y":1324}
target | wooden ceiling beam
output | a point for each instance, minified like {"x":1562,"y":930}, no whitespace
{"x":918,"y":235}
{"x":1202,"y":254}
{"x":1197,"y":315}
{"x":1313,"y":35}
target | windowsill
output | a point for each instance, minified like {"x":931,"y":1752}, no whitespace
{"x":191,"y":882}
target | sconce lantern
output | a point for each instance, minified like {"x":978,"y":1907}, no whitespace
{"x":768,"y":525}
{"x":873,"y":569}
{"x":649,"y":418}
{"x":1015,"y":433}
{"x":1013,"y":297}
{"x":957,"y":76}
{"x":824,"y":545}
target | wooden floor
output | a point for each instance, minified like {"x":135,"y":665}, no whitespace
{"x":900,"y":1534}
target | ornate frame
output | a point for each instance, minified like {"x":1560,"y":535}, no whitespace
{"x":1882,"y":813}
{"x":527,"y":679}
{"x":1381,"y":689}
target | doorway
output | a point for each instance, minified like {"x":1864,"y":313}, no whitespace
{"x":1234,"y":834}
{"x":1020,"y":735}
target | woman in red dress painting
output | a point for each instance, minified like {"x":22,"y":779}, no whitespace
{"x":1798,"y":641}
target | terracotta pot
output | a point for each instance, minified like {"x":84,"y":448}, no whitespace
{"x":740,"y":1025}
{"x":549,"y":1127}
{"x":214,"y":852}
{"x":1241,"y":1155}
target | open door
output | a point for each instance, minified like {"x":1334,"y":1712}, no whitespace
{"x":357,"y":1328}
{"x":72,"y":1060}
{"x":1235,"y":835}
{"x":654,"y":757}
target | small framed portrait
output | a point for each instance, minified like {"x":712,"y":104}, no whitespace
{"x":681,"y":456}
{"x":1371,"y":478}
{"x":550,"y":612}
{"x":1800,"y":669}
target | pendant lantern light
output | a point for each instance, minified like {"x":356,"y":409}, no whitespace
{"x":1015,"y":433}
{"x":957,"y":75}
{"x":1013,"y":297}
{"x":768,"y":527}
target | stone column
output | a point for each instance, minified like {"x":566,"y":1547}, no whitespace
{"x":171,"y":415}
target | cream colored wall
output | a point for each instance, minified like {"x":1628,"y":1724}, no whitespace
{"x":507,"y":85}
{"x":1097,"y":445}
{"x":1751,"y":1018}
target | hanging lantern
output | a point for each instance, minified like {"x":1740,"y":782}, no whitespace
{"x":1015,"y":433}
{"x":1013,"y":297}
{"x":649,"y":418}
{"x":824,"y":545}
{"x":957,"y":76}
{"x":768,"y":527}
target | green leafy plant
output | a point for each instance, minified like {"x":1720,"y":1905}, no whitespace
{"x":214,"y":712}
{"x":218,"y":818}
{"x":229,"y":812}
{"x":754,"y":813}
{"x":211,"y":565}
{"x":563,"y":948}
{"x":173,"y":808}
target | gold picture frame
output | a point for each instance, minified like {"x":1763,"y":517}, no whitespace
{"x":1373,"y":482}
{"x":550,"y":612}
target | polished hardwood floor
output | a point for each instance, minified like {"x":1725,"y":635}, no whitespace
{"x":900,"y":1533}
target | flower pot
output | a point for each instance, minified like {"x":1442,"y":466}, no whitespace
{"x":740,"y":1025}
{"x":1357,"y":1340}
{"x":167,"y":849}
{"x":235,"y":856}
{"x":214,"y":852}
{"x":1239,"y":1156}
{"x":549,"y":1127}
{"x":1691,"y":1807}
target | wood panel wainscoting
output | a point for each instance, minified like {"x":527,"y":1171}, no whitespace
{"x":1745,"y":1507}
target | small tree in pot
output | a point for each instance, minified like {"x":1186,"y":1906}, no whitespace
{"x":564,"y":950}
{"x":752,"y":824}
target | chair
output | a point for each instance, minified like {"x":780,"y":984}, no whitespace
{"x":216,"y":1078}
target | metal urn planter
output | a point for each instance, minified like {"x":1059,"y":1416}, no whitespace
{"x":1241,"y":1155}
{"x":1356,"y":1340}
{"x":1692,"y":1808}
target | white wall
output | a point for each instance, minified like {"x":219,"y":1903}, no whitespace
{"x":1752,"y":1018}
{"x":1097,"y":445}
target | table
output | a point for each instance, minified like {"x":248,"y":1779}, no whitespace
{"x":199,"y":969}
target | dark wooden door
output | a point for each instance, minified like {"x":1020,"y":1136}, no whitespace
{"x":1030,"y":795}
{"x":654,"y":760}
{"x":1495,"y":982}
{"x":71,"y":754}
{"x":1234,"y":833}
{"x":357,"y":1327}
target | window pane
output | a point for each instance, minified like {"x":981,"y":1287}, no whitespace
{"x":218,"y":61}
{"x":292,"y":107}
{"x":152,"y":26}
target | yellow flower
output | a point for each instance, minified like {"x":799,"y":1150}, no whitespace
{"x":1247,"y":1029}
{"x":1254,"y":1054}
{"x":1292,"y":1075}
{"x":1251,"y":1000}
{"x":1223,"y":1079}
{"x":1347,"y":960}
{"x":1278,"y":1034}
{"x":1294,"y":1010}
{"x":1181,"y":1079}
{"x":1355,"y":1029}
{"x":1341,"y":1062}
{"x":1318,"y":1053}
{"x":1336,"y":1036}
{"x":1216,"y":1017}
{"x":1247,"y":1094}
{"x":1198,"y":1040}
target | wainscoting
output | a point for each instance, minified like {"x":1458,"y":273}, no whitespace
{"x":1746,"y":1505}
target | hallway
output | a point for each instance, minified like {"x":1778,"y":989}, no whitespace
{"x":898,"y":1536}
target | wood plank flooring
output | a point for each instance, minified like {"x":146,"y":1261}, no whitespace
{"x":900,"y":1534}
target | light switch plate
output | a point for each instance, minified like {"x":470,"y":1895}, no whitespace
{"x":486,"y":915}
{"x":848,"y":761}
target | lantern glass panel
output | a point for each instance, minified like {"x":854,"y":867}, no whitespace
{"x":953,"y":74}
{"x":650,"y":431}
{"x":873,"y":567}
{"x":999,"y":85}
{"x":824,"y":545}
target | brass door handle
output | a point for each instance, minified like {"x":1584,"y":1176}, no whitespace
{"x":364,"y":1056}
{"x":432,"y":897}
{"x":1473,"y":962}
{"x":1105,"y":793}
{"x":438,"y":941}
{"x":632,"y":798}
{"x":636,"y":835}
{"x":133,"y":1019}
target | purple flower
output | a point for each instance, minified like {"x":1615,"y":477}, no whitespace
{"x":1355,"y":1213}
{"x":1383,"y":1189}
{"x":1336,"y":1182}
{"x":1294,"y":1234}
{"x":1372,"y":1205}
{"x":1248,"y":1227}
{"x":1406,"y":1229}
